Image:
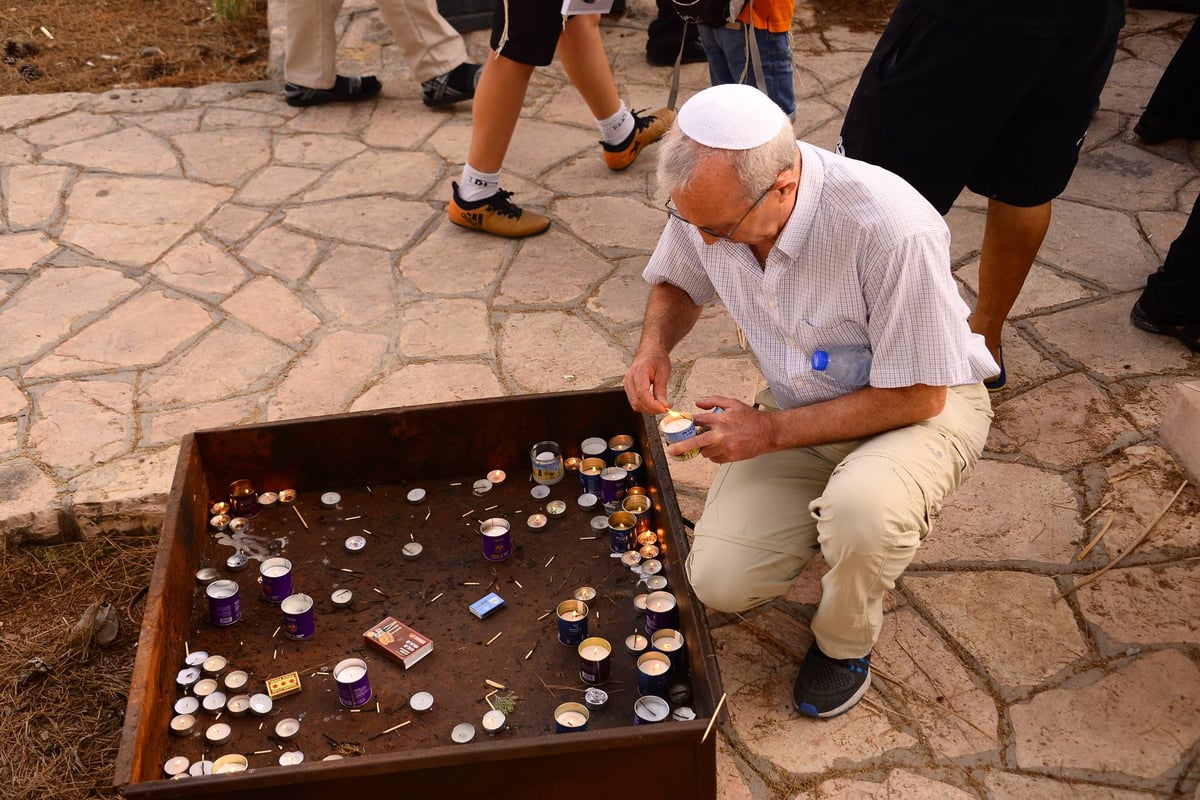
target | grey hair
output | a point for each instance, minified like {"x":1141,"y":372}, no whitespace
{"x":680,"y":158}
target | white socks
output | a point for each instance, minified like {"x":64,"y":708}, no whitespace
{"x":616,"y":128}
{"x":475,"y":185}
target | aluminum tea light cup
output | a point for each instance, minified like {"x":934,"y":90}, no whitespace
{"x":238,"y":705}
{"x":182,"y":725}
{"x":214,"y":665}
{"x":176,"y":766}
{"x":463,"y":732}
{"x":214,"y":703}
{"x":494,"y":721}
{"x":187,"y":705}
{"x":261,"y":704}
{"x":291,"y":758}
{"x":234,"y":762}
{"x":218,"y":733}
{"x":421,"y":702}
{"x":287,"y":729}
{"x":236,"y":680}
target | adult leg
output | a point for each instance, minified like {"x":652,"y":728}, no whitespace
{"x":1170,"y":303}
{"x":311,"y":53}
{"x":1173,"y":111}
{"x":429,"y":44}
{"x":664,"y":35}
{"x":1012,"y":236}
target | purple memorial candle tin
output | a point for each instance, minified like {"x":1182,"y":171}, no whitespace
{"x":224,"y":604}
{"x":298,"y":620}
{"x":276,"y":576}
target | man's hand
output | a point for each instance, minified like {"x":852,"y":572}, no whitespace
{"x":736,"y":433}
{"x":646,"y":381}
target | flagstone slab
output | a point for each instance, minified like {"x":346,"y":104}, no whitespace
{"x":232,"y":223}
{"x":81,"y":423}
{"x":67,"y":128}
{"x":1101,"y":337}
{"x":14,"y":150}
{"x":1009,"y":784}
{"x":132,"y":151}
{"x":1167,"y":599}
{"x":144,"y":101}
{"x":731,"y":784}
{"x":537,"y":146}
{"x":20,"y":251}
{"x":34,"y":195}
{"x":435,"y":382}
{"x":135,"y":220}
{"x":1098,"y":244}
{"x":378,"y":221}
{"x":21,"y":109}
{"x":54,"y":301}
{"x":899,"y":783}
{"x":1005,"y":512}
{"x":1043,"y":289}
{"x":230,"y":361}
{"x":142,"y":331}
{"x":317,"y":150}
{"x":1162,"y":228}
{"x":390,"y":172}
{"x":1122,"y":176}
{"x":217,"y":118}
{"x":1020,"y":640}
{"x":757,"y":675}
{"x":1086,"y":723}
{"x":540,"y":352}
{"x":28,"y":503}
{"x":285,"y":252}
{"x":605,"y":221}
{"x":12,"y":400}
{"x":447,"y":262}
{"x":327,"y":378}
{"x":1142,"y":482}
{"x":355,"y":286}
{"x":197,"y":266}
{"x":336,"y":118}
{"x":445,"y":328}
{"x":126,"y":495}
{"x":224,"y":156}
{"x":402,"y":122}
{"x":276,"y":185}
{"x":168,"y":123}
{"x":1063,"y":422}
{"x":267,"y":305}
{"x":621,"y":297}
{"x":576,"y":270}
{"x":1130,"y":82}
{"x":168,"y":427}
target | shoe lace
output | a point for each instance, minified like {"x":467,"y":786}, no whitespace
{"x":500,"y":204}
{"x":640,"y":123}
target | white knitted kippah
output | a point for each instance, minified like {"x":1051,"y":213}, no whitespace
{"x":731,"y":116}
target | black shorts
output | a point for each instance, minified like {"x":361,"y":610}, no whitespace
{"x":946,"y":107}
{"x":533,"y":30}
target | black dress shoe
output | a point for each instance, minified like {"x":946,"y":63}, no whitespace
{"x":1188,"y":333}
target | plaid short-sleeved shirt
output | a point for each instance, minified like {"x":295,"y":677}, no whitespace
{"x":863,"y":260}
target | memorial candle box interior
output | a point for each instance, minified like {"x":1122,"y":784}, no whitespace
{"x":380,"y":515}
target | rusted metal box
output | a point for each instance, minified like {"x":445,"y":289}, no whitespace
{"x":373,"y":460}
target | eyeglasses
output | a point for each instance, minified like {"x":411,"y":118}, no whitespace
{"x":673,"y":212}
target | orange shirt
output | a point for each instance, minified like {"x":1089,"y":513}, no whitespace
{"x":772,"y":15}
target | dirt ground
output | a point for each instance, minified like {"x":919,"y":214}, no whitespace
{"x":62,"y":703}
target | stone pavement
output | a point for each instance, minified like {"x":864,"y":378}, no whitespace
{"x":174,"y":259}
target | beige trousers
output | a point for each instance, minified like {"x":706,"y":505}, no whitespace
{"x":866,"y":505}
{"x":429,"y":44}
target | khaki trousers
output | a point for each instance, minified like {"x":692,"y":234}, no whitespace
{"x":429,"y":44}
{"x":865,"y":505}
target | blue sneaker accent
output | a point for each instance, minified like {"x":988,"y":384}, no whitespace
{"x":827,"y":687}
{"x":997,"y":383}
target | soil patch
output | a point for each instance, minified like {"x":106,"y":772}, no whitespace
{"x":73,"y":46}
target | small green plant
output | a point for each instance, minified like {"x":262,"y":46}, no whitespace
{"x":232,"y":10}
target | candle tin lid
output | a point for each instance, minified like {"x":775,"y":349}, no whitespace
{"x":287,"y":495}
{"x":651,"y":708}
{"x":341,"y":597}
{"x":421,"y":702}
{"x":236,"y":562}
{"x":187,"y":705}
{"x":291,"y":758}
{"x":234,"y":762}
{"x":330,"y":499}
{"x":481,"y":487}
{"x":239,"y":525}
{"x":556,"y":508}
{"x":412,"y":550}
{"x":268,"y":498}
{"x":536,"y":521}
{"x":195,"y":658}
{"x":287,"y":728}
{"x":236,"y":679}
{"x":416,"y":496}
{"x":218,"y":733}
{"x":493,"y":721}
{"x":214,"y":702}
{"x":656,"y":583}
{"x":177,"y":765}
{"x":540,"y":492}
{"x":333,"y":757}
{"x":585,"y":594}
{"x":463,"y":732}
{"x":204,"y":687}
{"x":206,"y":575}
{"x":683,"y":714}
{"x":182,"y":724}
{"x":261,"y":705}
{"x":203,"y":767}
{"x":631,"y":558}
{"x":595,"y":698}
{"x":238,"y":705}
{"x":588,"y":501}
{"x":187,"y":677}
{"x":355,"y":543}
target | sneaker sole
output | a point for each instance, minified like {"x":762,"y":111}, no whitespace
{"x":810,"y":711}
